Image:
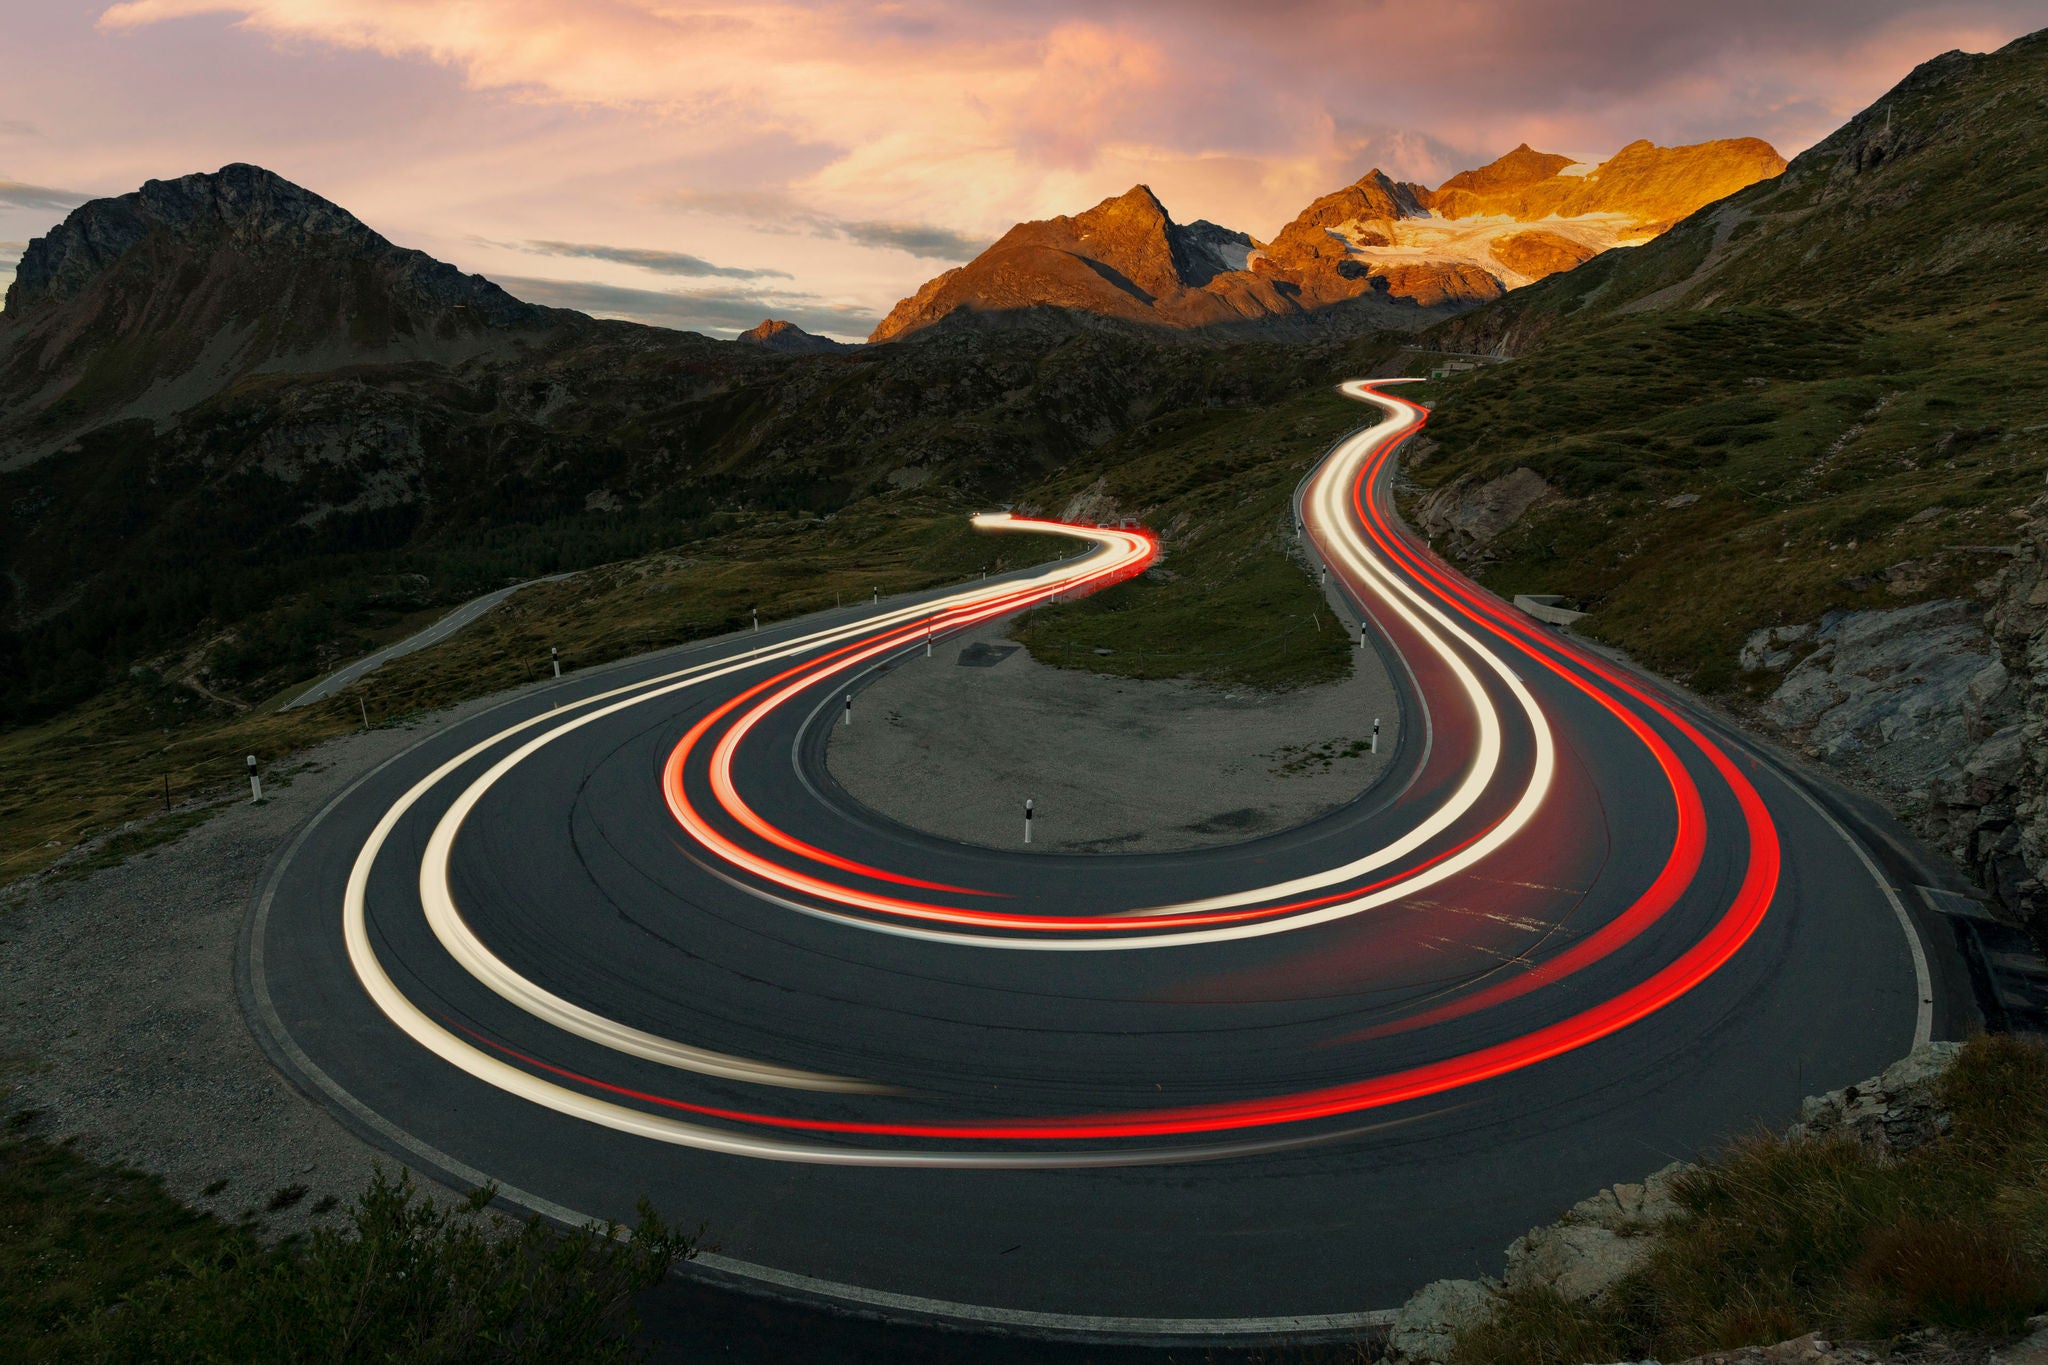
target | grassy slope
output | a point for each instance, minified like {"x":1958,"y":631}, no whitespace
{"x":1844,"y":366}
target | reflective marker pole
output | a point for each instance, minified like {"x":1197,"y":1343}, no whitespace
{"x":556,"y":655}
{"x":1361,"y":635}
{"x":878,"y":597}
{"x":255,"y":782}
{"x":849,"y":708}
{"x":1027,"y":821}
{"x":757,"y":618}
{"x":927,"y":637}
{"x":1375,"y":734}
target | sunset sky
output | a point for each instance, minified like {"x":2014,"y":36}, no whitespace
{"x":704,"y":165}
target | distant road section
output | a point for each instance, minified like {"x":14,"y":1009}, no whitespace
{"x":432,"y":635}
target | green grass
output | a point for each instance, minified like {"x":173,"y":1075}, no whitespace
{"x":1778,"y":1238}
{"x":1230,"y":603}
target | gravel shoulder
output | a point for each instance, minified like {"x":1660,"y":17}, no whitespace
{"x":954,"y":744}
{"x":120,"y":1025}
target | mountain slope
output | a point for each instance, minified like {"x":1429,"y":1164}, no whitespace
{"x":142,"y":305}
{"x":1816,"y":409}
{"x":1377,"y":253}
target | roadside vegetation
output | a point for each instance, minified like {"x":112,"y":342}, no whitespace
{"x":1826,"y":391}
{"x":99,"y":1264}
{"x":1776,"y":1239}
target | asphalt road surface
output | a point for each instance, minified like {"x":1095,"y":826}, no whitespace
{"x":623,"y":936}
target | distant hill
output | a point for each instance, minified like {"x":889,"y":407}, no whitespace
{"x":1377,"y":253}
{"x":788,"y":338}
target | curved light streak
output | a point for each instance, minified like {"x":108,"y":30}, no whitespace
{"x":1342,"y":476}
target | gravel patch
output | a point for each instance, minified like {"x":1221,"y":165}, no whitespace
{"x":954,"y":744}
{"x":120,"y":1024}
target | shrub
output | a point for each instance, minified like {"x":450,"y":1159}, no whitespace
{"x":407,"y":1280}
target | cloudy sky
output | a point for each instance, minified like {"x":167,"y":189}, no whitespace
{"x":703,"y":164}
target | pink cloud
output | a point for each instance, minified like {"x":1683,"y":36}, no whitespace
{"x":653,"y":123}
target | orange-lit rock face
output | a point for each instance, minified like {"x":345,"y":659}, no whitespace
{"x":1407,"y":253}
{"x":1537,"y":253}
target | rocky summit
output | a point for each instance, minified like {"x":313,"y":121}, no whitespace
{"x":140,"y":305}
{"x":1376,"y":253}
{"x":774,"y":334}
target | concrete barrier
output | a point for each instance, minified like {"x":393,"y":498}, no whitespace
{"x":1544,"y":607}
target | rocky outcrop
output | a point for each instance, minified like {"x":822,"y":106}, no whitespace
{"x":1942,"y":707}
{"x":1889,"y":1114}
{"x":1906,"y":688}
{"x":1537,"y":253}
{"x":1470,"y":513}
{"x":1378,"y":252}
{"x":1427,"y":1326}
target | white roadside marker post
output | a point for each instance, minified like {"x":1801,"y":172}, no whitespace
{"x":1361,"y":635}
{"x":555,"y":656}
{"x":849,"y":708}
{"x":1375,"y":734}
{"x":757,"y":618}
{"x":878,"y":597}
{"x":255,"y":782}
{"x":1027,"y":820}
{"x":366,"y":711}
{"x":927,"y":637}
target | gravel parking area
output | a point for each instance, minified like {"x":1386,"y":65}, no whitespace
{"x":954,"y":744}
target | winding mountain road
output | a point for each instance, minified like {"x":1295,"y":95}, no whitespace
{"x":623,"y":935}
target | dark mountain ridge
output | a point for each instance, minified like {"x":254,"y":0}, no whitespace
{"x":144,"y":304}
